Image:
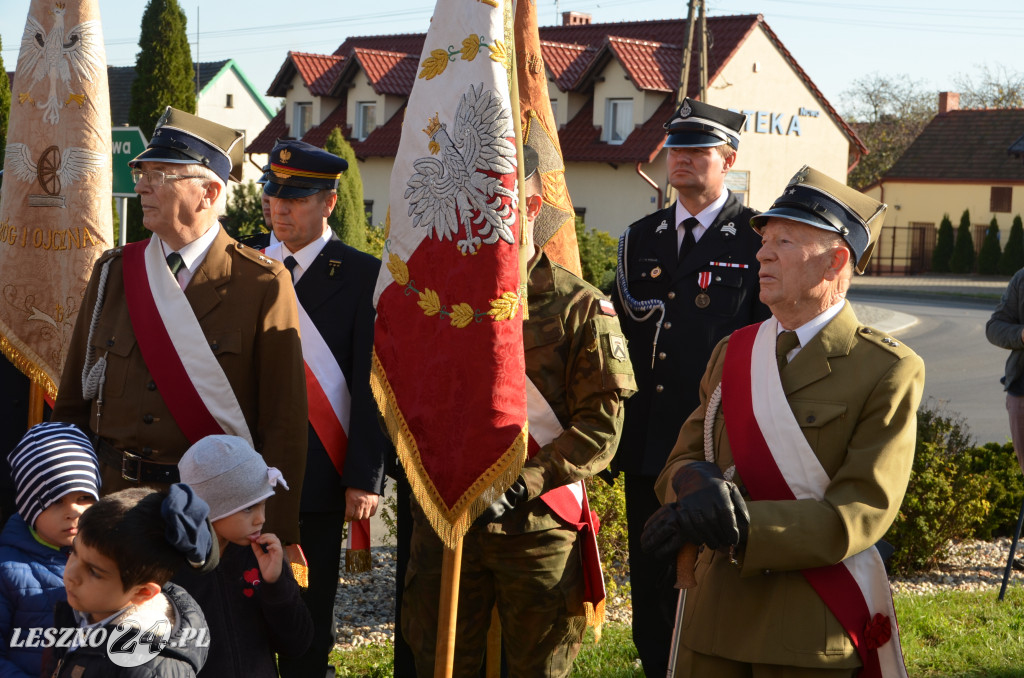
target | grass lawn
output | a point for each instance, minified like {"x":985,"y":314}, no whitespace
{"x":945,"y":635}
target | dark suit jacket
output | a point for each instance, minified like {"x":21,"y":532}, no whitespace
{"x":854,"y":391}
{"x":337,"y":294}
{"x":668,"y":390}
{"x":248,"y":315}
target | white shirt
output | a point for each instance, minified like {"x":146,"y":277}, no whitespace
{"x":305,"y":257}
{"x":192,"y":254}
{"x":810,"y":329}
{"x":706,"y":217}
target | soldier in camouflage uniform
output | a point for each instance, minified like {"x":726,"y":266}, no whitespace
{"x":519,"y":553}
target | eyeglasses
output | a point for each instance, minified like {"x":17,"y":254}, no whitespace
{"x":157,"y":178}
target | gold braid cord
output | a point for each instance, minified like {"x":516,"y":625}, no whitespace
{"x":450,"y":524}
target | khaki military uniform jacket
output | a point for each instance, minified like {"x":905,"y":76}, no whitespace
{"x":576,"y":356}
{"x":246,"y":308}
{"x":854,"y":392}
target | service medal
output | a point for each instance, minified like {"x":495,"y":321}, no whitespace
{"x":656,"y":271}
{"x":703,"y":280}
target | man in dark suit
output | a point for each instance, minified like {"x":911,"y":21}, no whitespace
{"x":816,"y":416}
{"x":687,"y":276}
{"x":334,"y":285}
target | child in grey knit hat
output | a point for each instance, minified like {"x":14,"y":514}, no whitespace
{"x":251,"y":599}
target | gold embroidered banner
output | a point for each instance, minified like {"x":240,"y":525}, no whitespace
{"x":449,"y":372}
{"x":555,"y":226}
{"x":55,"y":204}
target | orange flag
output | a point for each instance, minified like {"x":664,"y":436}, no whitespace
{"x":555,"y":227}
{"x":55,"y":205}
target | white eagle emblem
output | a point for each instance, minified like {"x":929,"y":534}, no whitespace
{"x":456,"y":190}
{"x":55,"y":54}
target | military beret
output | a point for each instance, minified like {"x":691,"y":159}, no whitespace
{"x":696,"y":124}
{"x":816,"y":199}
{"x":298,"y":169}
{"x":181,"y":138}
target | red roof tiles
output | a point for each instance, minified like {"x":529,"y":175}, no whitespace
{"x":566,"y":63}
{"x":389,"y":72}
{"x":964,"y":145}
{"x":265,"y":140}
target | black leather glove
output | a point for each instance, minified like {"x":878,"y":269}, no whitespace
{"x":514,"y":496}
{"x":708,"y":510}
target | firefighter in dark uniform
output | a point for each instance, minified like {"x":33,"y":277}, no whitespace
{"x":686,"y":278}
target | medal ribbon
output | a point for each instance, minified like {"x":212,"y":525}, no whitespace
{"x":704,"y":279}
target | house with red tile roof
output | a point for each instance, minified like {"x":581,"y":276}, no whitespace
{"x":612,"y":86}
{"x":963,"y":159}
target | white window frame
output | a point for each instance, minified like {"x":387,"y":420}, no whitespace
{"x":618,"y":119}
{"x":302,"y":109}
{"x":365,"y":124}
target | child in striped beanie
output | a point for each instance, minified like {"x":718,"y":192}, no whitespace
{"x":56,"y":478}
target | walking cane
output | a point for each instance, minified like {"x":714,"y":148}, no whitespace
{"x":685,"y":561}
{"x":1013,"y":549}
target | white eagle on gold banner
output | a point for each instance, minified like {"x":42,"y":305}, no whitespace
{"x":456,"y":190}
{"x":56,"y":54}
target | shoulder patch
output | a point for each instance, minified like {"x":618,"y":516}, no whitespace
{"x":607,"y":308}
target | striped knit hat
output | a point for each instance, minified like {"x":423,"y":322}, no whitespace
{"x":51,"y":460}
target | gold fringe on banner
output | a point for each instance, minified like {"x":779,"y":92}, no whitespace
{"x":449,"y":524}
{"x":358,"y":560}
{"x":28,"y":367}
{"x":595,"y":617}
{"x":301,"y":574}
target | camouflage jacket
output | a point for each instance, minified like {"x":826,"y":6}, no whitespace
{"x":577,"y":357}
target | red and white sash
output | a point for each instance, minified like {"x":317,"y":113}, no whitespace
{"x":569,"y":502}
{"x":776,"y":463}
{"x":175,"y":349}
{"x":330,"y":401}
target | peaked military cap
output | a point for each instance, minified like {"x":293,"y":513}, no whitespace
{"x":530,"y":161}
{"x":816,"y":199}
{"x":265,"y":177}
{"x":298,"y":169}
{"x":181,"y":138}
{"x":696,"y":124}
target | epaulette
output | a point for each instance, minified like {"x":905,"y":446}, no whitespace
{"x":256,"y":256}
{"x":110,"y":254}
{"x":885,"y":341}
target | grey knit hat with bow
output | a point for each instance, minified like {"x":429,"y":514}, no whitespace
{"x":228,"y":474}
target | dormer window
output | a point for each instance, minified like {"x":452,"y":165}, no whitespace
{"x":366,"y":119}
{"x":618,"y":120}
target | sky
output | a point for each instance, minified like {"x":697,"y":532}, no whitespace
{"x":835,"y":41}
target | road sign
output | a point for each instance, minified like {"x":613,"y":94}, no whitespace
{"x":127,"y":142}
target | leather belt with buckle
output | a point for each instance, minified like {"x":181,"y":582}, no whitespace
{"x":134,"y":468}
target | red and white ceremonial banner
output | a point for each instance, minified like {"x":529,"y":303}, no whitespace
{"x":55,"y":207}
{"x":554,"y":229}
{"x":449,"y":373}
{"x":776,"y":463}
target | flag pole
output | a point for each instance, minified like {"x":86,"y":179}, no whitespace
{"x":517,"y":126}
{"x":36,"y":399}
{"x":451,"y":571}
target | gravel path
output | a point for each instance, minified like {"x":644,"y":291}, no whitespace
{"x":364,"y":609}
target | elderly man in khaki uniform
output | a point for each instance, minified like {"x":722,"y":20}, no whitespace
{"x":189,"y":333}
{"x":795,"y":462}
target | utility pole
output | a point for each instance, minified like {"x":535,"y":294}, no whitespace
{"x":684,"y":76}
{"x":696,"y":18}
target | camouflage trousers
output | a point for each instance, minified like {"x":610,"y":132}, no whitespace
{"x":536,"y":580}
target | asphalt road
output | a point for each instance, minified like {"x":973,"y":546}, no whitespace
{"x":962,"y":369}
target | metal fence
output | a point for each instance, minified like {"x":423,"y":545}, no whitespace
{"x":903,"y":250}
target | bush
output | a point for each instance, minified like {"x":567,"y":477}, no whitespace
{"x":609,"y":502}
{"x":998,"y":464}
{"x":1013,"y":254}
{"x":943,"y":246}
{"x":244,"y":214}
{"x":962,"y":260}
{"x":988,"y":258}
{"x":944,"y":499}
{"x":598,"y":255}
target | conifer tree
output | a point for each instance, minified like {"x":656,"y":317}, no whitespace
{"x":988,"y":258}
{"x":5,"y":105}
{"x":962,"y":260}
{"x":348,"y":220}
{"x":164,"y":76}
{"x":1012,"y":259}
{"x":943,"y":246}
